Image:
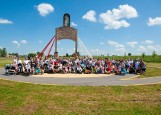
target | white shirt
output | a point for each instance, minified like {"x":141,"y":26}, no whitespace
{"x":28,"y":66}
{"x":60,"y":66}
{"x":130,"y":62}
{"x":93,"y":63}
{"x":14,"y":61}
{"x":113,"y":61}
{"x":26,"y":62}
{"x":19,"y":62}
{"x":79,"y":68}
{"x":77,"y":60}
{"x":136,"y":65}
{"x":102,"y":63}
{"x":46,"y":61}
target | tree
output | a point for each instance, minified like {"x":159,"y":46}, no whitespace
{"x":143,"y":55}
{"x":107,"y":55}
{"x":129,"y":54}
{"x":102,"y":55}
{"x":14,"y":54}
{"x":31,"y":55}
{"x":154,"y":54}
{"x":3,"y":52}
{"x":67,"y":55}
{"x":37,"y":53}
{"x":0,"y":52}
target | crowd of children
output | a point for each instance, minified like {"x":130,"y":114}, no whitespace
{"x":78,"y":65}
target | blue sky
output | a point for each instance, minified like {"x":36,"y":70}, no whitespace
{"x":104,"y":26}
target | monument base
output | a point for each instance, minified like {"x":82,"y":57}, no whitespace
{"x":76,"y":54}
{"x":55,"y":54}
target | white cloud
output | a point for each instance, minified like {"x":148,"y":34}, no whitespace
{"x":156,"y":48}
{"x":16,"y":43}
{"x":132,"y":44}
{"x":142,"y":49}
{"x":118,"y":47}
{"x":1,"y":47}
{"x":115,"y":44}
{"x":98,"y":52}
{"x":90,"y":15}
{"x":44,"y":9}
{"x":23,"y":42}
{"x":5,"y":21}
{"x":152,"y":48}
{"x":148,"y":42}
{"x":112,"y":18}
{"x":120,"y":50}
{"x":35,"y":51}
{"x":101,"y":43}
{"x":40,"y":41}
{"x":154,"y":21}
{"x":74,"y":24}
{"x":94,"y":50}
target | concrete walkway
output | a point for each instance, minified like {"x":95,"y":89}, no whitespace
{"x":109,"y":80}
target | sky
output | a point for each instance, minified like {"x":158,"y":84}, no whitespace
{"x":113,"y":27}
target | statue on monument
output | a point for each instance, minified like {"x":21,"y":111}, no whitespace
{"x":66,"y":20}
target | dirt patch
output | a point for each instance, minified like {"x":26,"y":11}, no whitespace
{"x":71,"y":75}
{"x":3,"y":106}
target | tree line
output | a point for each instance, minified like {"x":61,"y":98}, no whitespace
{"x":3,"y":52}
{"x":148,"y":58}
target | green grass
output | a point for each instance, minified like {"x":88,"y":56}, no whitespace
{"x":151,"y":72}
{"x":154,"y":64}
{"x":4,"y":61}
{"x":23,"y":98}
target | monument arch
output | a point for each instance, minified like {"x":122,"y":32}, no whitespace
{"x":66,"y":32}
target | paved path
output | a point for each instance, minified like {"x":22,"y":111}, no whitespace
{"x":112,"y":80}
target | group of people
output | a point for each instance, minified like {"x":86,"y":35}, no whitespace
{"x":79,"y":65}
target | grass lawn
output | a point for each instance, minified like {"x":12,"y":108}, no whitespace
{"x":4,"y":61}
{"x":151,"y":72}
{"x":24,"y":98}
{"x":154,"y":64}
